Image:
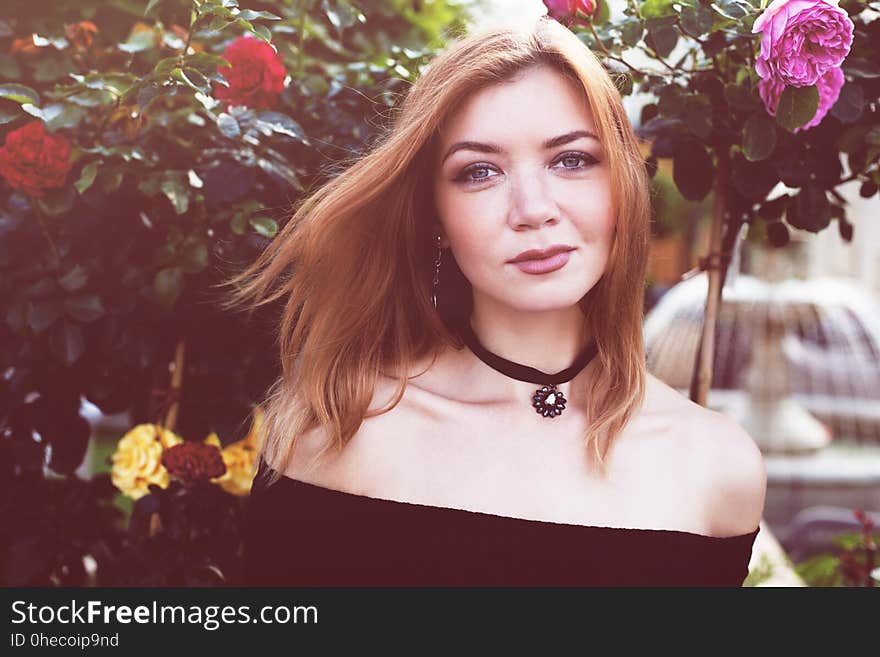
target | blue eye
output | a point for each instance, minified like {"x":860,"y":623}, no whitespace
{"x":577,"y":155}
{"x":465,"y":175}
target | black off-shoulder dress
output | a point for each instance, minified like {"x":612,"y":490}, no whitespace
{"x":301,"y":534}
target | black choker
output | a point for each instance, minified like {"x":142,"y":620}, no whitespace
{"x":547,"y":400}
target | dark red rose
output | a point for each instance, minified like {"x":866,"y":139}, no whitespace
{"x":256,"y":78}
{"x":33,"y":160}
{"x":191,"y":462}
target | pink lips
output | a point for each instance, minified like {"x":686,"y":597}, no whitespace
{"x":544,"y":265}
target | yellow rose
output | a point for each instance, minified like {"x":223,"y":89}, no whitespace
{"x":240,"y":458}
{"x":137,"y":462}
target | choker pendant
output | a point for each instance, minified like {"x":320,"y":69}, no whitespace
{"x":548,"y":400}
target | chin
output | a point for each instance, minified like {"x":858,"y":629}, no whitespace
{"x":542,"y":301}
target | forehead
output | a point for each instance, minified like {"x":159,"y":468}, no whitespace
{"x":530,"y":106}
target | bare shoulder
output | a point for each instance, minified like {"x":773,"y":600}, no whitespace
{"x":728,"y":464}
{"x":355,"y":467}
{"x":738,"y":484}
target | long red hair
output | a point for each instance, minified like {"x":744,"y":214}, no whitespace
{"x":354,"y":263}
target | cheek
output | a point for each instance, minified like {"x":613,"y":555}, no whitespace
{"x":469,"y":229}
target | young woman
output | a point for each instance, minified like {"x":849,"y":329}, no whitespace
{"x":464,"y":398}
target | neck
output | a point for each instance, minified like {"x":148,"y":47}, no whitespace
{"x":549,"y":342}
{"x":545,"y":340}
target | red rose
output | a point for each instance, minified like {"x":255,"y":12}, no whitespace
{"x":81,"y":34}
{"x":565,"y":11}
{"x":256,"y":78}
{"x":191,"y":461}
{"x":34,"y":160}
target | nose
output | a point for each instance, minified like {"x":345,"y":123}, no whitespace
{"x":532,"y":205}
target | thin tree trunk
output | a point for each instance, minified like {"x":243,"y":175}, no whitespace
{"x":702,"y":379}
{"x":176,"y":380}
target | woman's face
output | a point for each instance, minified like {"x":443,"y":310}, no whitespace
{"x":519,"y":184}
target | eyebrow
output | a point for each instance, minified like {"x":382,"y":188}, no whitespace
{"x":495,"y":148}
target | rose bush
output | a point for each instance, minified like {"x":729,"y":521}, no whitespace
{"x":192,"y":127}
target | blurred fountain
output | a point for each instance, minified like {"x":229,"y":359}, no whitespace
{"x":796,"y":362}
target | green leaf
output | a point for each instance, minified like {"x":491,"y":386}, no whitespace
{"x":810,"y":210}
{"x":59,"y":201}
{"x":692,"y":169}
{"x":238,"y":223}
{"x":196,"y":78}
{"x":92,"y":98}
{"x":177,"y":191}
{"x":19,"y":93}
{"x":602,"y":14}
{"x":139,"y":41}
{"x":42,"y":314}
{"x":250,"y":14}
{"x":698,"y":115}
{"x":758,"y":137}
{"x":66,"y":342}
{"x":150,"y":6}
{"x":9,"y":67}
{"x":671,"y":101}
{"x":69,"y":117}
{"x":696,"y":21}
{"x":214,"y":9}
{"x":87,"y":177}
{"x":147,"y":93}
{"x":741,"y":97}
{"x":194,"y":257}
{"x":797,"y":105}
{"x":265,"y":226}
{"x":657,"y":8}
{"x":850,"y":103}
{"x":206,"y":61}
{"x":263,"y":32}
{"x":268,"y":122}
{"x":167,"y":286}
{"x":164,"y":66}
{"x":218,"y":24}
{"x":49,"y":113}
{"x":74,"y":279}
{"x":631,"y":31}
{"x":228,"y":126}
{"x":662,"y":38}
{"x":281,"y":172}
{"x":110,"y":180}
{"x":84,"y":307}
{"x":51,"y":67}
{"x":180,"y":76}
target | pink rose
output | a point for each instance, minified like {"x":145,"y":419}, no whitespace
{"x":829,"y":86}
{"x":801,"y":40}
{"x":565,"y":11}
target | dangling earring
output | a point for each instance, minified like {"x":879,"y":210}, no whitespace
{"x":436,"y":272}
